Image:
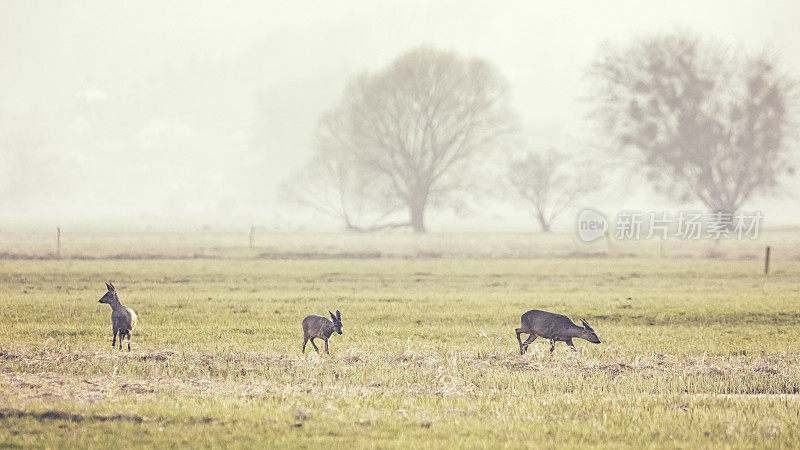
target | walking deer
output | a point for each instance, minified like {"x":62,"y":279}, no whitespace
{"x":320,"y":327}
{"x":555,"y":327}
{"x":123,"y":319}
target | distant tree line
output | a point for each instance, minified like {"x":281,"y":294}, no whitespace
{"x":703,"y":120}
{"x":700,"y":120}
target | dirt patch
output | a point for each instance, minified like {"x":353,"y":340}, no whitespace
{"x":612,"y":369}
{"x":7,"y":413}
{"x":318,"y":255}
{"x":157,"y":356}
{"x":208,"y":375}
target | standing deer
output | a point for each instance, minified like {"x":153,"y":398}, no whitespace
{"x":556,"y":327}
{"x":322,"y":328}
{"x":123,"y":319}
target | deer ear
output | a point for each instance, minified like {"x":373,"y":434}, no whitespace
{"x":332,"y":316}
{"x":111,"y":288}
{"x":586,"y":324}
{"x":338,"y":315}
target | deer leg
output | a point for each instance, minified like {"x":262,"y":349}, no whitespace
{"x":326,"y":347}
{"x":129,"y":340}
{"x":114,"y":340}
{"x":519,"y":331}
{"x":552,"y":345}
{"x":305,"y":341}
{"x":530,"y":339}
{"x":315,"y":345}
{"x":569,"y":342}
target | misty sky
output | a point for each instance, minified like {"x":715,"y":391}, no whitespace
{"x":199,"y":110}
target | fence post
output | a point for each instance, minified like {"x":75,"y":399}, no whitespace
{"x":252,"y":237}
{"x":58,"y":242}
{"x":766,"y":261}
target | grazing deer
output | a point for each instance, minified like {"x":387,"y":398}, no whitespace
{"x":123,"y":319}
{"x":556,"y":327}
{"x":322,"y":328}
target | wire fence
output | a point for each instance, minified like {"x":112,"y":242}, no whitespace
{"x":261,"y":242}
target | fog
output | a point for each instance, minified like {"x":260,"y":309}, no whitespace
{"x":197,"y":112}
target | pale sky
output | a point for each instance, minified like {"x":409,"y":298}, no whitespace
{"x":198,"y":110}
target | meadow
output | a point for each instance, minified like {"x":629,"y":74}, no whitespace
{"x":695,"y":352}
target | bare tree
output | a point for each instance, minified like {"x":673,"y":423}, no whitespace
{"x":549,"y":183}
{"x":410,"y":136}
{"x":333,"y":184}
{"x":704,"y":120}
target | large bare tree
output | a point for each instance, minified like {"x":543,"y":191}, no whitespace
{"x":409,"y":136}
{"x":703,"y":120}
{"x":549,"y":183}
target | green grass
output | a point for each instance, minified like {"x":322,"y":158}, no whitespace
{"x":694,"y":352}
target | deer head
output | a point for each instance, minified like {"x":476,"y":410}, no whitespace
{"x":110,"y":297}
{"x":588,"y":333}
{"x":337,"y":321}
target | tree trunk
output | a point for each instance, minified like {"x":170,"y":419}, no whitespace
{"x":416,"y":212}
{"x":543,"y":223}
{"x":729,"y":213}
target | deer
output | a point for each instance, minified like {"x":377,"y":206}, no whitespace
{"x":318,"y":327}
{"x":123,"y":319}
{"x":555,"y":327}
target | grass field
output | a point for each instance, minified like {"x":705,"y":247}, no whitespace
{"x":695,"y":352}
